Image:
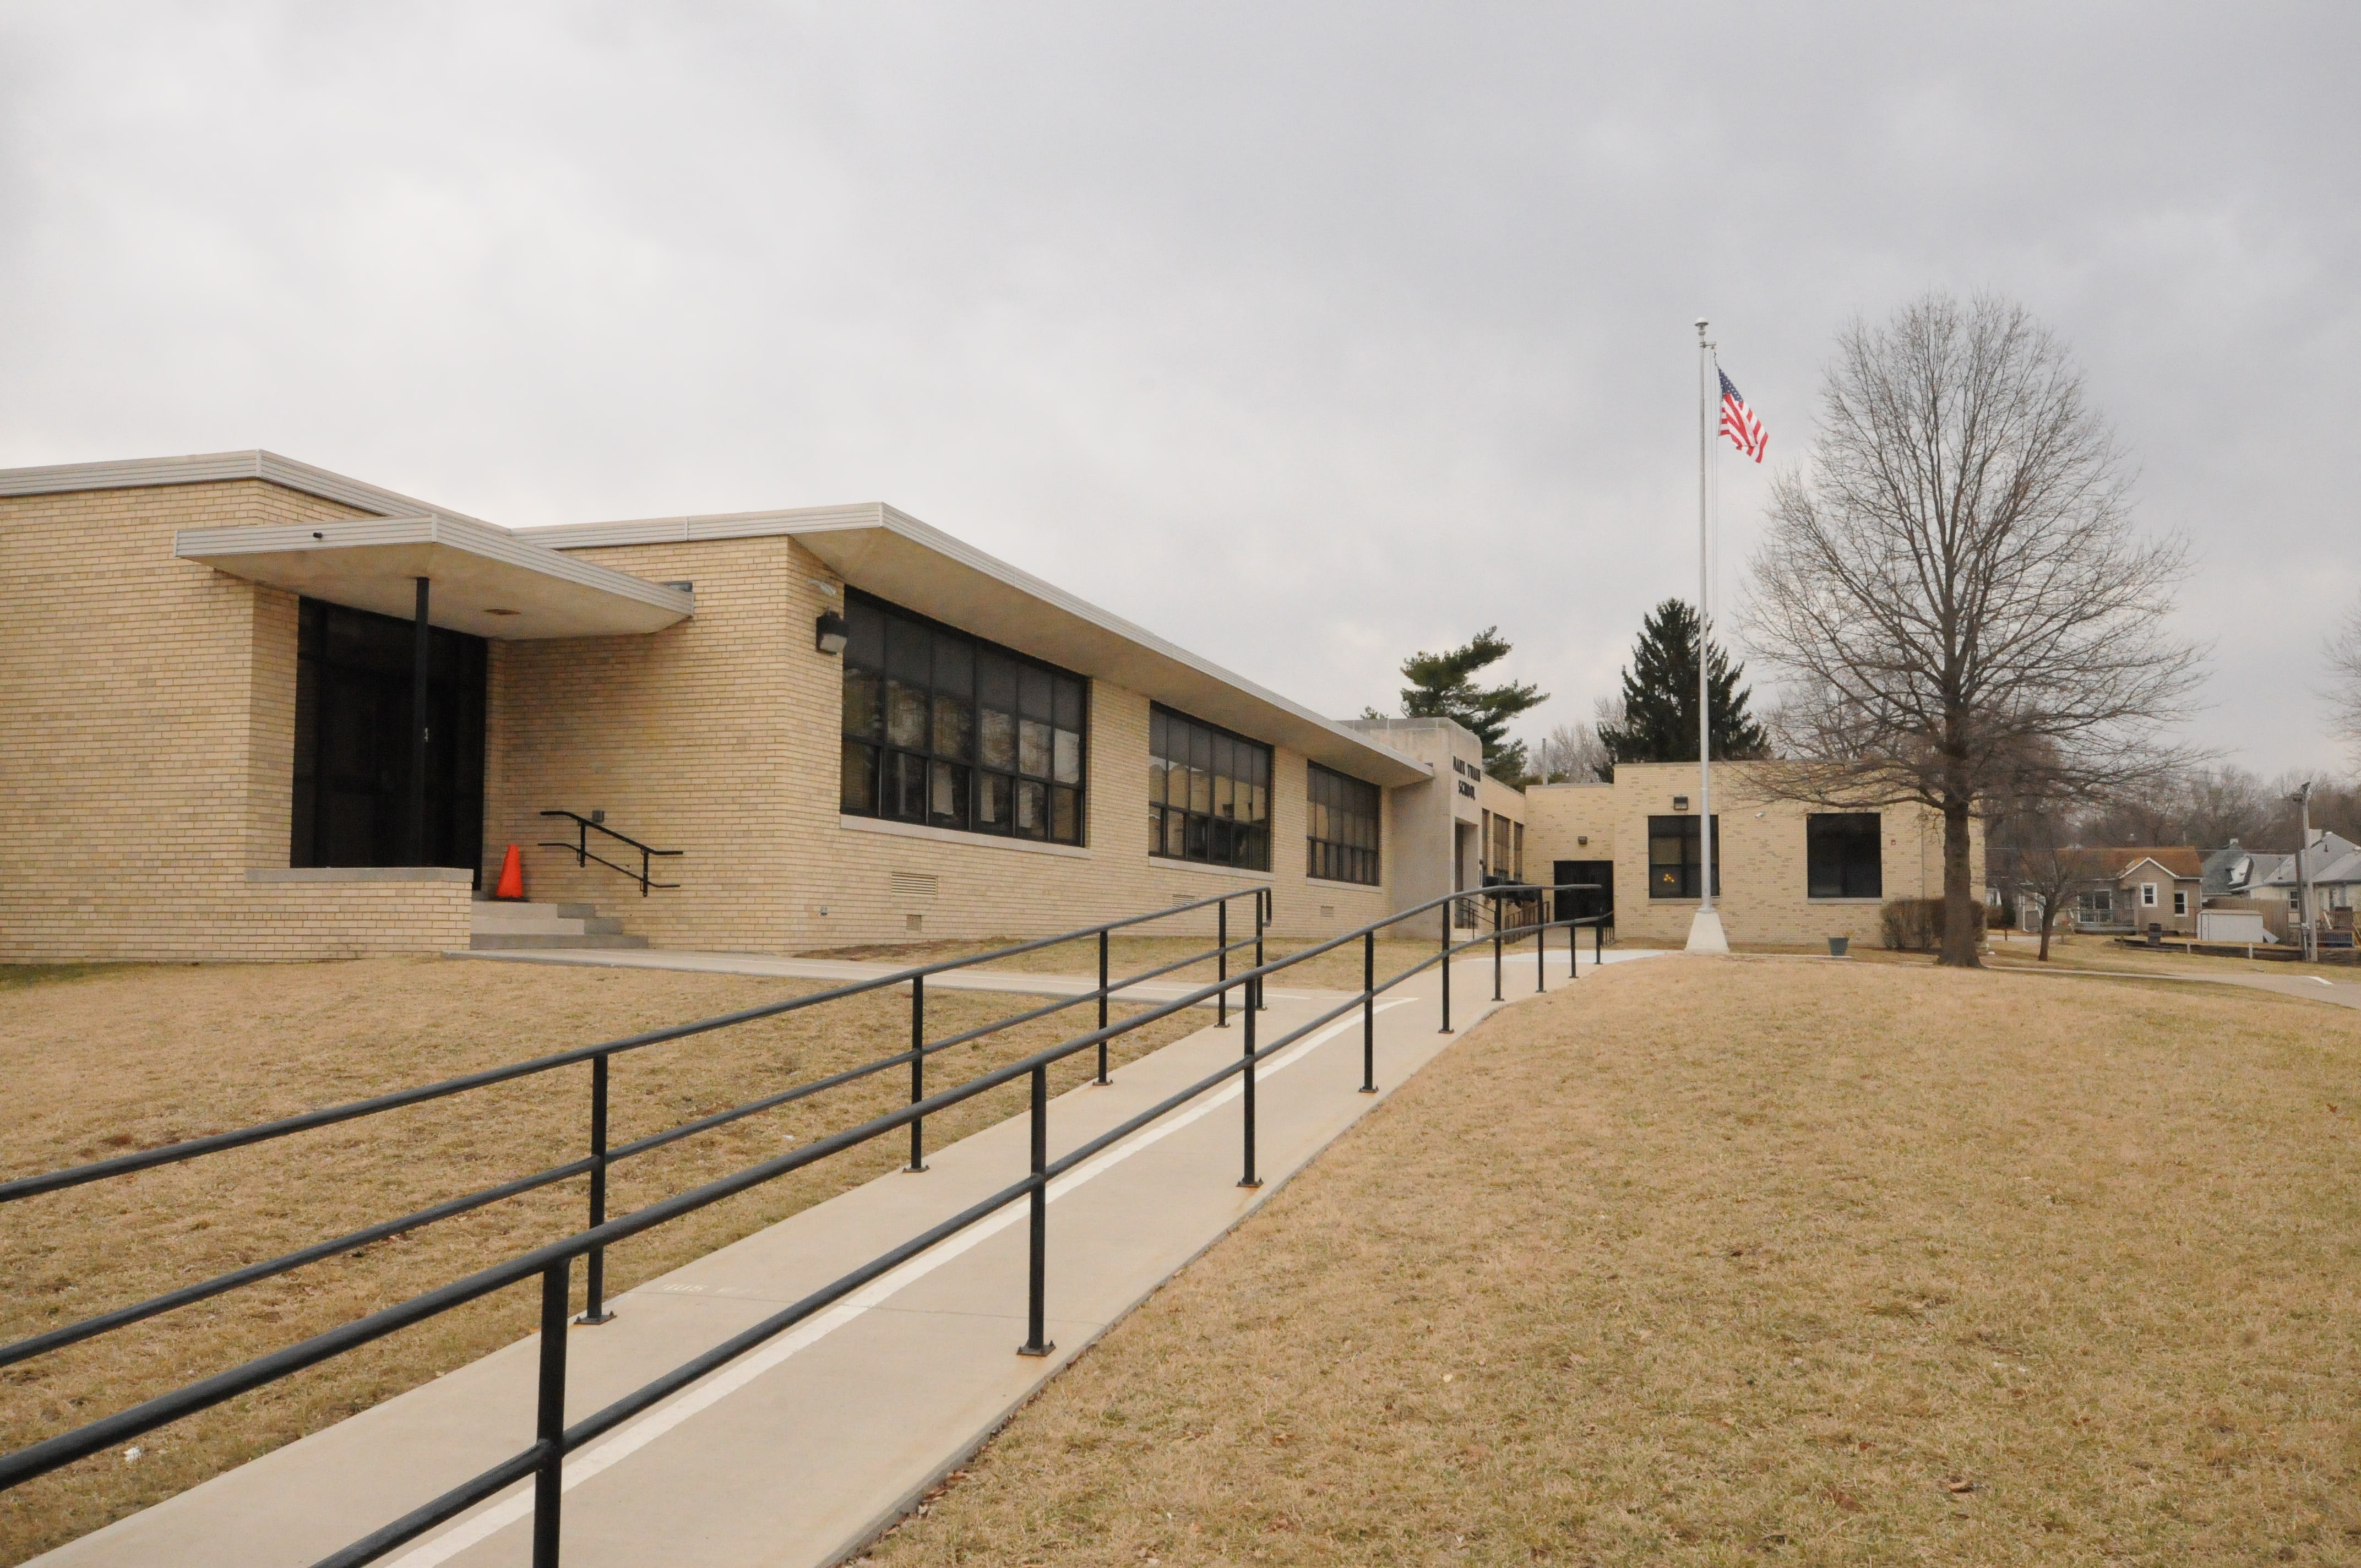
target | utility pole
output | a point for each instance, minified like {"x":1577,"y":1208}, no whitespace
{"x":2303,"y":798}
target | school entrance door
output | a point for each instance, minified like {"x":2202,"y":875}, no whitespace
{"x":355,"y":673}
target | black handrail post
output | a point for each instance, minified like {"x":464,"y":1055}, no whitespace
{"x":1103,"y":1004}
{"x":1598,"y":945}
{"x":1496,"y":960}
{"x":1222,"y":963}
{"x":1540,"y":957}
{"x":1250,"y":1179}
{"x":1369,"y":1011}
{"x":594,"y":1309}
{"x":1262,"y":899}
{"x":643,"y":870}
{"x":1450,"y":909}
{"x":917,"y":1070}
{"x":549,"y":1423}
{"x":1036,"y":1277}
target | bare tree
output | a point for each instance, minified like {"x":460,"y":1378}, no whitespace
{"x":1573,"y":753}
{"x":2033,"y":854}
{"x":2203,"y":807}
{"x":1953,"y":590}
{"x":2345,"y":676}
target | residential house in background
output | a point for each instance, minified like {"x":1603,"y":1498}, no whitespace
{"x":2129,"y":890}
{"x":2268,"y":884}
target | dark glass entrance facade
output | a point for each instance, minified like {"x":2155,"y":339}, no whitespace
{"x":352,"y":741}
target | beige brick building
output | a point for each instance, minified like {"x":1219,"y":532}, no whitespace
{"x":1787,"y":873}
{"x":847,"y":725}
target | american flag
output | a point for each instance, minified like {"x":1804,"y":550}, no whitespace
{"x":1739,"y":423}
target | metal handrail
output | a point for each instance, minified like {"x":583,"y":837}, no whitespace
{"x":584,"y":854}
{"x":553,"y":1261}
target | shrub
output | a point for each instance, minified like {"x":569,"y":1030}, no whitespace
{"x":1916,"y":924}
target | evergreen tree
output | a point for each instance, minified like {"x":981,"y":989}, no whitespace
{"x":1442,"y":686}
{"x":1660,"y":696}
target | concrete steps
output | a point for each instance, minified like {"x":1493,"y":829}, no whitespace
{"x":498,"y":925}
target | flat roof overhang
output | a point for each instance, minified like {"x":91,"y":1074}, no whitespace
{"x":484,"y":581}
{"x":894,"y":557}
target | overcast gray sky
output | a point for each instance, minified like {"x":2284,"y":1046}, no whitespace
{"x":1306,"y":335}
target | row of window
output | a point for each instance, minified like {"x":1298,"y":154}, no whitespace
{"x":952,"y":732}
{"x":948,"y":729}
{"x":1841,"y":858}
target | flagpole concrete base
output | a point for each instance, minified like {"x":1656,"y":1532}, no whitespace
{"x":1705,"y":933}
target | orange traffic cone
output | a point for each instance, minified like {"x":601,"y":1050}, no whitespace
{"x":511,"y":884}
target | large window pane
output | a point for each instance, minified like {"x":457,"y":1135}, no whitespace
{"x":1213,"y":788}
{"x":1032,"y":809}
{"x":923,"y":703}
{"x":859,"y":783}
{"x":1676,"y":857}
{"x":1343,"y":825}
{"x":1032,"y":747}
{"x":864,"y":707}
{"x":996,"y":746}
{"x":906,"y":716}
{"x":1841,"y":856}
{"x":955,"y":727}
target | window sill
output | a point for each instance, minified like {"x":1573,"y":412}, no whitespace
{"x":1815,"y":902}
{"x":1205,"y":868}
{"x":1345,"y":886}
{"x":892,"y":829}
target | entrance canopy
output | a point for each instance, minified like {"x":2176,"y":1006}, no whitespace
{"x":486,"y":581}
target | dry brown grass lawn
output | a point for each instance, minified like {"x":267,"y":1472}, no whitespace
{"x":1339,"y":969}
{"x":1748,"y":1261}
{"x":129,"y":1057}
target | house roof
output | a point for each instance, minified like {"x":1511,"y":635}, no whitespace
{"x":2327,"y":859}
{"x":2178,"y":862}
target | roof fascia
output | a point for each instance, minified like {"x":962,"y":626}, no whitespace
{"x":214,"y":467}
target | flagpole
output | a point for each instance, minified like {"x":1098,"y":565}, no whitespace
{"x":1705,"y":930}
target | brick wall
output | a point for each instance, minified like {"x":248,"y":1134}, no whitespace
{"x":720,"y":736}
{"x":1763,"y":891}
{"x":146,"y":745}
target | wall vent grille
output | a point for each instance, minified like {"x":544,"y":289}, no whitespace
{"x":914,"y":885}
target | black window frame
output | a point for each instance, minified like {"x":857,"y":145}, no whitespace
{"x":1844,"y":854}
{"x":1679,"y":879}
{"x":918,"y":738}
{"x":1334,"y":801}
{"x":1205,"y":825}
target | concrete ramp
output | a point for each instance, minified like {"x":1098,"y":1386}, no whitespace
{"x":798,"y":1454}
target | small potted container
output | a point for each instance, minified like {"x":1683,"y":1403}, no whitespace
{"x":1840,"y":946}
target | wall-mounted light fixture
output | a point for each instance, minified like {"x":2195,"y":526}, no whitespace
{"x":1680,"y":803}
{"x":1582,"y":838}
{"x":833,"y":632}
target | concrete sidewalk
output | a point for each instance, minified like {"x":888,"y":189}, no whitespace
{"x":800,"y":1452}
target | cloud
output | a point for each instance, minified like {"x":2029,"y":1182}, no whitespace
{"x":1306,"y":335}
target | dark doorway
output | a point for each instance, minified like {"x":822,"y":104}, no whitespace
{"x":352,"y":741}
{"x":1582,"y":906}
